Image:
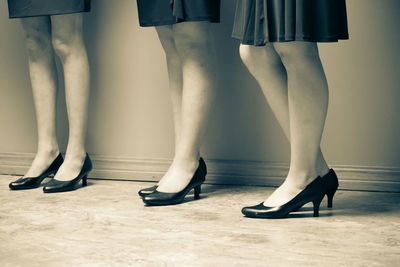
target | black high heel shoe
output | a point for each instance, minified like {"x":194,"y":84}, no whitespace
{"x":157,"y":198}
{"x":146,"y":191}
{"x":55,"y":186}
{"x":331,"y":184}
{"x":34,"y":182}
{"x":314,"y":192}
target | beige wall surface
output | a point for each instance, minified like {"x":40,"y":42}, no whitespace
{"x":130,"y":107}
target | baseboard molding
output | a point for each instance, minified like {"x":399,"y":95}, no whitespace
{"x":384,"y":179}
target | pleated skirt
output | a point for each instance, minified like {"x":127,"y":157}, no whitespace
{"x":33,"y":8}
{"x":168,"y":12}
{"x":258,"y":22}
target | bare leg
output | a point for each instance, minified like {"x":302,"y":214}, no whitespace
{"x":265,"y":64}
{"x":192,"y":42}
{"x":308,"y":102}
{"x":69,"y":46}
{"x":174,"y":64}
{"x":42,"y":70}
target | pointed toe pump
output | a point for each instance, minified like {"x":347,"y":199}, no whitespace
{"x":146,"y":191}
{"x":157,"y":198}
{"x":55,"y":186}
{"x":314,"y":192}
{"x":35,"y":182}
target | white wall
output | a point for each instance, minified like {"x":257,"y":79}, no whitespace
{"x":131,"y":113}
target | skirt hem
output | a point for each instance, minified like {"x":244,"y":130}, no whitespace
{"x":52,"y":13}
{"x":300,"y":38}
{"x":175,"y":21}
{"x":258,"y":22}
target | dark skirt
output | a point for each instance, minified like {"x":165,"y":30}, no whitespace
{"x":258,"y":22}
{"x":33,"y":8}
{"x":167,"y":12}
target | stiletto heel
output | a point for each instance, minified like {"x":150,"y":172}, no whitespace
{"x":331,"y":186}
{"x":316,"y":204}
{"x":316,"y":209}
{"x":158,"y":198}
{"x":330,"y":194}
{"x":197,"y":191}
{"x":84,"y":181}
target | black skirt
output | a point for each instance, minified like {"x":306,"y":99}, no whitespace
{"x":167,"y":12}
{"x":33,"y":8}
{"x":258,"y":22}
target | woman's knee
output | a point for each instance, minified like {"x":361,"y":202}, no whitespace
{"x":65,"y":44}
{"x":67,"y":34}
{"x":37,"y":36}
{"x":165,"y":35}
{"x":192,"y":37}
{"x":294,"y":54}
{"x":247,"y":53}
{"x":37,"y":43}
{"x":255,"y":55}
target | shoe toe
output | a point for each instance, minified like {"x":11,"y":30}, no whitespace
{"x":245,"y":211}
{"x":18,"y":184}
{"x":51,"y":186}
{"x":249,"y":211}
{"x":13,"y":185}
{"x":256,"y":211}
{"x":146,"y":191}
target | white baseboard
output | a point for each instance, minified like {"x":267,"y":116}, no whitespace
{"x":385,"y":179}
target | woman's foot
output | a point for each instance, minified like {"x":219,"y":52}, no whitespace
{"x":178,"y":175}
{"x":42,"y":161}
{"x":34,"y":182}
{"x":71,"y":167}
{"x":313,"y":192}
{"x":55,"y":186}
{"x":291,"y":187}
{"x":158,"y":198}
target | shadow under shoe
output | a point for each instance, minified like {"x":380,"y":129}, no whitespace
{"x":55,"y":186}
{"x":35,"y":182}
{"x":314,"y":192}
{"x":157,"y":198}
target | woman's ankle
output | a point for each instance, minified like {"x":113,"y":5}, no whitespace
{"x":321,"y":166}
{"x":50,"y":152}
{"x":77,"y":156}
{"x":301,"y":177}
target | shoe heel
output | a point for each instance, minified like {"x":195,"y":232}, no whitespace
{"x":330,"y":194}
{"x":84,"y":181}
{"x":197,"y":191}
{"x":316,"y":204}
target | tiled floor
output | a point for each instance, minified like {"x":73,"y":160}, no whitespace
{"x":106,"y":224}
